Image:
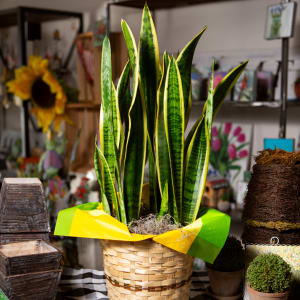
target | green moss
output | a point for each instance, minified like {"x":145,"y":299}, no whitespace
{"x":231,"y":258}
{"x":269,"y":273}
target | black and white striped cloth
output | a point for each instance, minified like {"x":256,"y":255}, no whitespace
{"x":87,"y":284}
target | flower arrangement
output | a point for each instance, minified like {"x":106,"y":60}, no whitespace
{"x":227,"y":148}
{"x":36,"y":82}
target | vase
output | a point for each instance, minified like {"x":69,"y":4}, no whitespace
{"x":146,"y":270}
{"x":255,"y":295}
{"x":226,"y":284}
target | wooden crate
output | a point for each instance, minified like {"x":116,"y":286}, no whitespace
{"x":23,"y":207}
{"x":85,"y":116}
{"x":31,"y":286}
{"x":28,"y":257}
{"x":6,"y":238}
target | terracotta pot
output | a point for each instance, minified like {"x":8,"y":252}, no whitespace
{"x":255,"y":295}
{"x":225,"y":283}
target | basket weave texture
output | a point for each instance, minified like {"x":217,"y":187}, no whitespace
{"x":146,"y":270}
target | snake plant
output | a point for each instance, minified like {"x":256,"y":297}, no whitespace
{"x":143,"y":120}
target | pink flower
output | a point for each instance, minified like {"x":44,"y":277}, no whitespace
{"x":243,"y":153}
{"x":216,"y":144}
{"x":214,"y":131}
{"x":227,"y":128}
{"x":237,"y":131}
{"x":232,"y":151}
{"x":241,"y":138}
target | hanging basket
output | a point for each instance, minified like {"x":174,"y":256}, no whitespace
{"x":146,"y":270}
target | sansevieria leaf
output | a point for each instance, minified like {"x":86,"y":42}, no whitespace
{"x":161,"y":145}
{"x":105,"y":203}
{"x":220,"y":93}
{"x":149,"y":67}
{"x":124,"y":100}
{"x":135,"y":160}
{"x":197,"y":160}
{"x":184,"y":61}
{"x":117,"y":126}
{"x":123,"y":93}
{"x":106,"y":127}
{"x":174,"y":125}
{"x":110,"y":191}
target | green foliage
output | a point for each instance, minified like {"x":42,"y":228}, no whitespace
{"x":269,"y":273}
{"x":231,"y":258}
{"x":149,"y":121}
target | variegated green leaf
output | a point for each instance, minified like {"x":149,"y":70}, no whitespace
{"x":160,"y":142}
{"x":220,"y":93}
{"x":225,"y":86}
{"x":197,"y":160}
{"x":149,"y":67}
{"x":133,"y":61}
{"x":109,"y":187}
{"x":121,"y":195}
{"x":154,"y":200}
{"x":117,"y":126}
{"x":106,"y":115}
{"x":174,"y":125}
{"x":184,"y":61}
{"x":164,"y":201}
{"x":135,"y":160}
{"x":123,"y":93}
{"x":104,"y":200}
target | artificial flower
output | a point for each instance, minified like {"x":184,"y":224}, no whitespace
{"x":36,"y":82}
{"x":237,"y":131}
{"x":214,"y":131}
{"x":227,"y":128}
{"x":232,"y":151}
{"x":241,"y":138}
{"x":216,"y":144}
{"x":243,"y":153}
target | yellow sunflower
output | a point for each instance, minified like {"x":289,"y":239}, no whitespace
{"x":36,"y":82}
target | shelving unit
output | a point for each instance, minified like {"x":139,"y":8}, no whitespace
{"x":18,"y":17}
{"x":168,"y":4}
{"x":254,"y":104}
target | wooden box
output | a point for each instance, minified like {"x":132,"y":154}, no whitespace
{"x":23,"y":207}
{"x":6,"y":238}
{"x":28,"y":257}
{"x":31,"y":286}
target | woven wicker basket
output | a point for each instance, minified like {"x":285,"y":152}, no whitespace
{"x":146,"y":270}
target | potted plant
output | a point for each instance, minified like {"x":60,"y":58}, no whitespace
{"x":268,"y":277}
{"x":227,"y":272}
{"x":144,"y":119}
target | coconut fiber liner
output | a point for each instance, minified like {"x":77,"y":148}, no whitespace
{"x":274,"y":189}
{"x":261,"y":235}
{"x":146,"y":270}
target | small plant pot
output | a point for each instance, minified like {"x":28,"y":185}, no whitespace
{"x":255,"y":295}
{"x":146,"y":270}
{"x":225,"y":284}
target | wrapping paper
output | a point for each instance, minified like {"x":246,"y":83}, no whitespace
{"x":204,"y":238}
